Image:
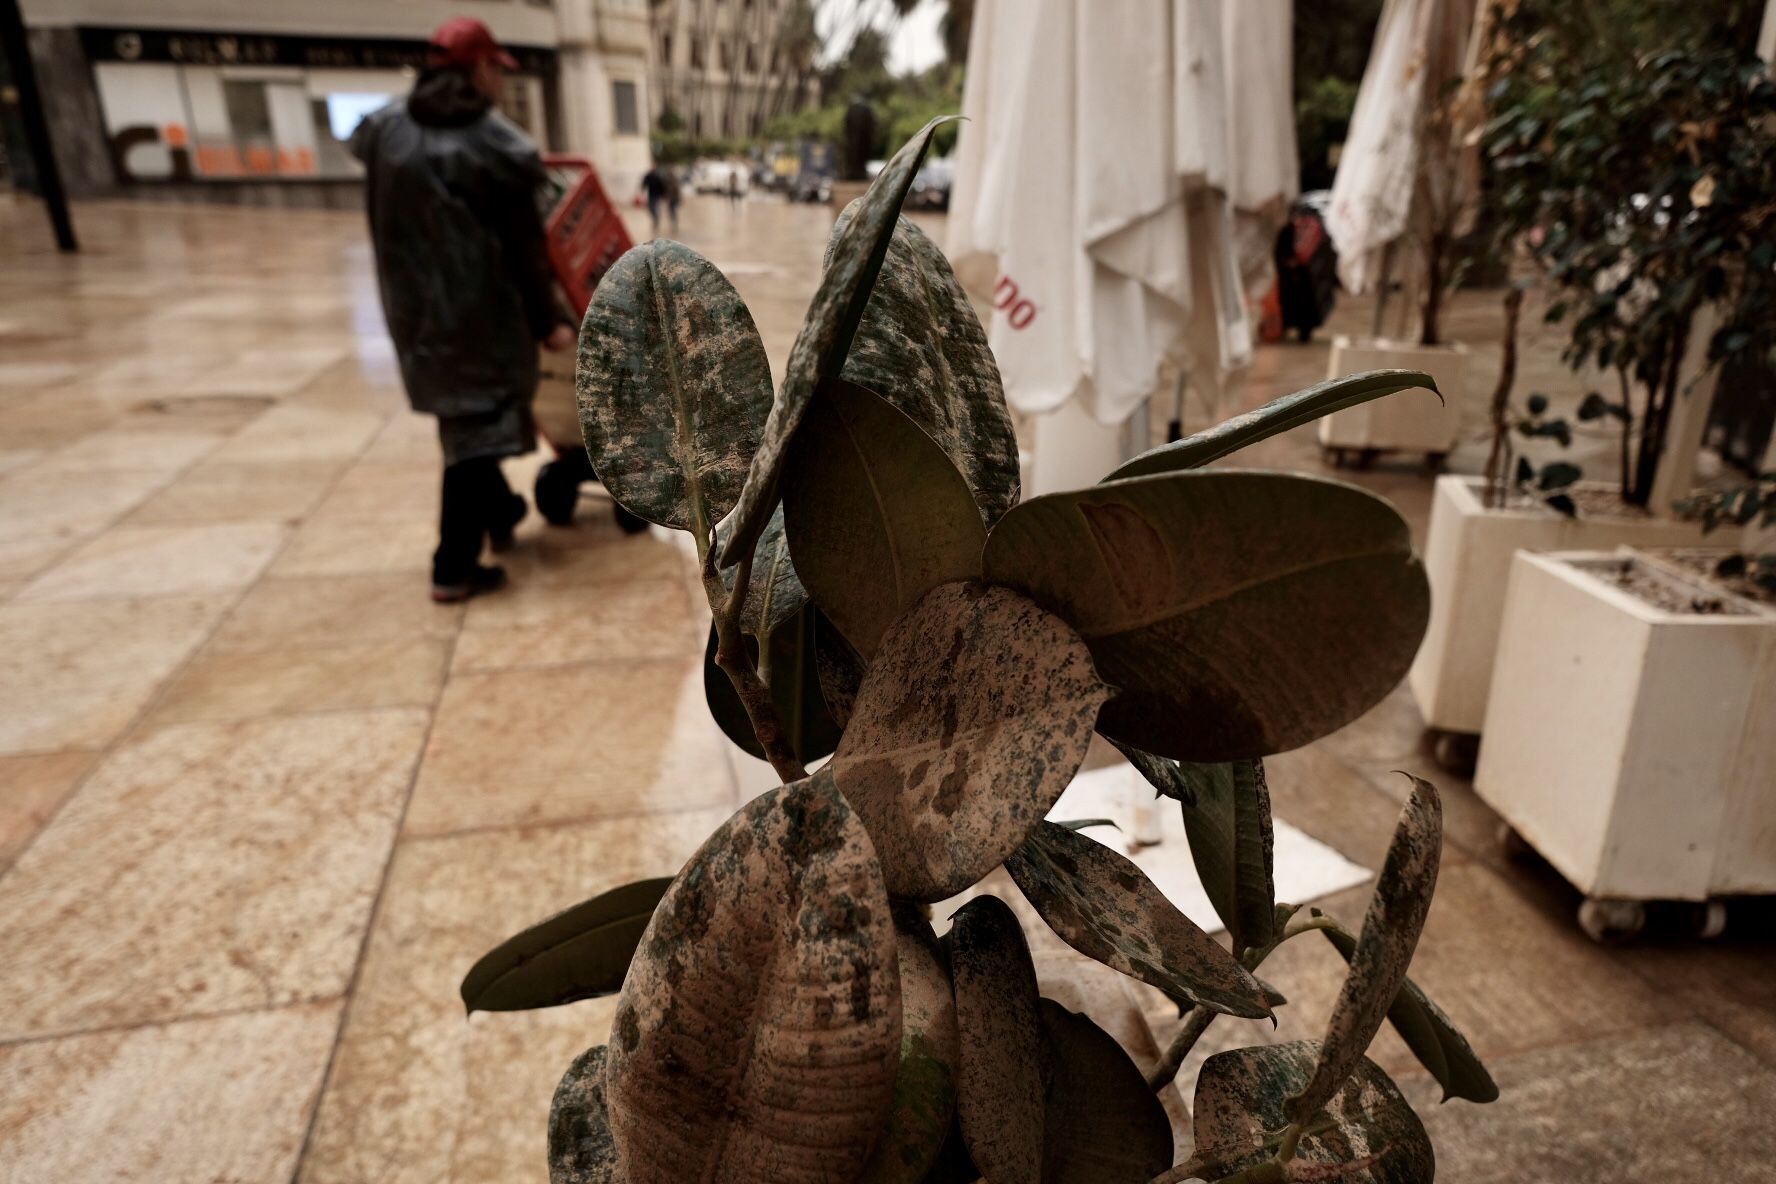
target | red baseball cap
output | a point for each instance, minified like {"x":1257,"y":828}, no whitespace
{"x":465,"y":41}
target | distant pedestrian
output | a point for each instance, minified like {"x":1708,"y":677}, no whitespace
{"x":654,"y":186}
{"x":467,"y":290}
{"x":673,"y":193}
{"x":1307,"y":272}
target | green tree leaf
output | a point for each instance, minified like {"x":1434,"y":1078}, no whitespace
{"x":1431,"y":1035}
{"x":581,"y":1150}
{"x":795,"y":689}
{"x":674,"y":386}
{"x":1368,"y":1134}
{"x":1102,"y":1123}
{"x":925,"y":1087}
{"x":1275,"y":417}
{"x":577,"y":954}
{"x":1238,"y":614}
{"x":1229,"y":830}
{"x":1000,"y":1093}
{"x":1383,"y":951}
{"x":877,"y":514}
{"x":974,"y":716}
{"x":921,"y":347}
{"x":758,"y":1034}
{"x":1103,"y":906}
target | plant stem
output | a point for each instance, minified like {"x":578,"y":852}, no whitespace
{"x":1196,"y":1022}
{"x":1501,"y":400}
{"x":731,"y":657}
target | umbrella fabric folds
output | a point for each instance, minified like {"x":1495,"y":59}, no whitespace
{"x":1108,"y":154}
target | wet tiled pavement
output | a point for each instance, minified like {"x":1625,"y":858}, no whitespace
{"x":261,"y":803}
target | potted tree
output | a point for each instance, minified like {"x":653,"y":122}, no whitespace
{"x":1639,"y":189}
{"x":787,"y":1010}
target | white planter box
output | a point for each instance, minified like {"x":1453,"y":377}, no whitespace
{"x":1411,"y":421}
{"x":1467,"y":556}
{"x":1634,"y":747}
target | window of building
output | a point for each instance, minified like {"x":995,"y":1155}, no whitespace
{"x":726,"y":53}
{"x":627,"y":111}
{"x":696,"y":52}
{"x":666,"y":48}
{"x":752,"y":64}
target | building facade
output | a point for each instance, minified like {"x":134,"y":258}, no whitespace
{"x":723,"y":69}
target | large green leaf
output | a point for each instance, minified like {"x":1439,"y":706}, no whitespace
{"x":1277,"y":416}
{"x":795,"y":690}
{"x":1000,"y":1099}
{"x":775,"y":593}
{"x":841,"y":670}
{"x":974,"y":716}
{"x":822,"y":346}
{"x":1229,"y":830}
{"x":877,"y":514}
{"x":1103,"y":906}
{"x":1430,"y":1035}
{"x":581,"y":1150}
{"x":1238,"y":614}
{"x":921,"y":347}
{"x":674,"y":386}
{"x":1384,"y":947}
{"x":758,"y":1033}
{"x":1367,"y":1135}
{"x":1102,"y":1123}
{"x":925,"y":1087}
{"x":578,"y":954}
{"x":1161,"y":772}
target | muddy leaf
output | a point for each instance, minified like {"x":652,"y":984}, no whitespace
{"x":975,"y":714}
{"x":674,"y":386}
{"x":775,"y":592}
{"x":1087,"y":823}
{"x":580,"y":1147}
{"x":795,"y":689}
{"x":1238,"y":614}
{"x":1103,"y":906}
{"x":758,"y":1032}
{"x":921,"y":347}
{"x":1275,"y":417}
{"x":1384,"y":947}
{"x":877,"y":513}
{"x":925,"y":1087}
{"x":841,"y":670}
{"x":1367,"y":1135}
{"x":824,"y":342}
{"x":1102,"y":1124}
{"x":1001,"y":1093}
{"x":1161,"y":772}
{"x":1229,"y":830}
{"x":577,"y":954}
{"x":1430,"y":1035}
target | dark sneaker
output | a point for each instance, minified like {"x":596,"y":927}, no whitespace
{"x":482,"y":579}
{"x":500,"y":537}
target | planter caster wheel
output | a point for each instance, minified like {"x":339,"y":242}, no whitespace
{"x":1512,"y":845}
{"x":1455,"y":752}
{"x":1611,"y":922}
{"x":1711,"y":919}
{"x":1434,"y":461}
{"x":1333,"y":456}
{"x":1366,"y":459}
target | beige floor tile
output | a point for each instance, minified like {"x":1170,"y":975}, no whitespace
{"x":162,"y":561}
{"x":223,"y":415}
{"x":43,"y":518}
{"x":292,"y":432}
{"x":218,"y":1101}
{"x":128,"y":448}
{"x":206,"y":868}
{"x":385,"y":489}
{"x":408,"y":436}
{"x":282,"y":491}
{"x":335,"y":610}
{"x":245,"y":684}
{"x":420,"y":1094}
{"x":349,"y":546}
{"x":14,"y":459}
{"x":267,"y":371}
{"x":558,"y":744}
{"x":537,"y":624}
{"x":78,"y":672}
{"x":32,"y":789}
{"x":592,"y":553}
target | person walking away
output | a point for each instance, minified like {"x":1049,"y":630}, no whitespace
{"x":653,"y":185}
{"x":673,"y":193}
{"x":451,"y":191}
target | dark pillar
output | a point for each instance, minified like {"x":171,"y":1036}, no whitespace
{"x":24,"y":78}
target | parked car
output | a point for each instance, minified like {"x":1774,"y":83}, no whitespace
{"x":721,"y":176}
{"x":931,"y":185}
{"x":813,"y":181}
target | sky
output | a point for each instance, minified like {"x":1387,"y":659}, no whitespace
{"x":913,"y":43}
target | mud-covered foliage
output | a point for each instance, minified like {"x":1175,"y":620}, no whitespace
{"x":787,"y":1011}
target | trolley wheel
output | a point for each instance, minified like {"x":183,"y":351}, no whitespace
{"x":1609,"y":921}
{"x":1512,"y":845}
{"x":1711,"y":919}
{"x":629,"y":523}
{"x":1455,"y":752}
{"x":1366,"y":459}
{"x":557,"y":492}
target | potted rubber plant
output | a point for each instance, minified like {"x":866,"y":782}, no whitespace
{"x":786,"y":1008}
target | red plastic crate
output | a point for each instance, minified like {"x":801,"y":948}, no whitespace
{"x":585,"y":233}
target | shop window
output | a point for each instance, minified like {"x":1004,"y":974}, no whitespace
{"x":627,"y":111}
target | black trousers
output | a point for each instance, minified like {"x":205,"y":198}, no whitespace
{"x":476,"y":501}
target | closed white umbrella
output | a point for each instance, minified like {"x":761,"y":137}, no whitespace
{"x":1094,"y":199}
{"x":1767,"y":35}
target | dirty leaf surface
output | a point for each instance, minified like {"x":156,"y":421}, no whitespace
{"x":795,"y":689}
{"x":1367,"y":1127}
{"x":1102,"y":1124}
{"x":925,"y":1086}
{"x":876,"y":513}
{"x":921,"y":347}
{"x":824,"y":342}
{"x":1238,"y":614}
{"x":1384,"y":948}
{"x":581,"y":1150}
{"x":841,"y":670}
{"x":1103,"y":906}
{"x":975,"y":714}
{"x":758,"y":1034}
{"x":1001,"y":1093}
{"x":1229,"y":829}
{"x":674,"y":386}
{"x":775,"y":592}
{"x":577,"y":954}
